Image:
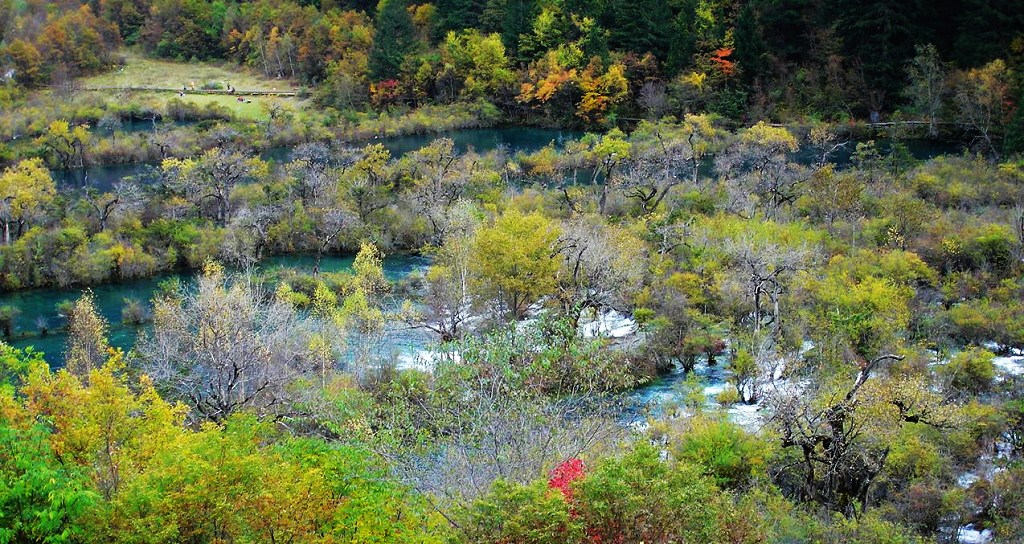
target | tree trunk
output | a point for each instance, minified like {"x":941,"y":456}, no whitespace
{"x":316,"y":262}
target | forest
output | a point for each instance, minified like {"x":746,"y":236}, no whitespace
{"x":511,"y":271}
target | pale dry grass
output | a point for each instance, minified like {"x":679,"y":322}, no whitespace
{"x":140,"y":71}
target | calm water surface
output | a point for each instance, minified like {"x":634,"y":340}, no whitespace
{"x":40,"y":305}
{"x":481,"y":140}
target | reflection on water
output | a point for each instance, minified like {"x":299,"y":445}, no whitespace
{"x":36,"y":306}
{"x":481,"y":140}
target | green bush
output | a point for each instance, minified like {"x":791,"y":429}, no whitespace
{"x":727,"y":453}
{"x":530,"y":514}
{"x":970,"y":371}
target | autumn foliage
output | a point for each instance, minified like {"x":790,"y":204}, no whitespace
{"x":721,"y":59}
{"x":563,"y":476}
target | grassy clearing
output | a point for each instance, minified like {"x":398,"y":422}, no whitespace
{"x":256,"y":110}
{"x":140,"y":71}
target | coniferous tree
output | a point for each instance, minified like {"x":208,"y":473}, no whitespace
{"x":986,"y":30}
{"x":639,"y":26}
{"x":458,"y":15}
{"x":683,"y":40}
{"x":393,"y":41}
{"x":878,"y":38}
{"x":786,"y":26}
{"x":750,"y":46}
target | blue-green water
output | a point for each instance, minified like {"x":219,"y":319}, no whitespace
{"x":41,"y":304}
{"x":526,"y":139}
{"x":481,"y":140}
{"x":38,"y":307}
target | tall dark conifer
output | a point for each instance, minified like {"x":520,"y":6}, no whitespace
{"x":457,"y":15}
{"x":640,"y":26}
{"x":682,"y":43}
{"x":786,"y":27}
{"x":986,"y":30}
{"x":393,"y":40}
{"x":878,"y":39}
{"x":750,"y":50}
{"x":510,"y":19}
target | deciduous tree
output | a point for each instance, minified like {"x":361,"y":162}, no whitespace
{"x":516,"y":261}
{"x":88,"y":347}
{"x":225,"y":347}
{"x":25,"y":189}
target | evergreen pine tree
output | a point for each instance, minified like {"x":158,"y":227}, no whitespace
{"x":393,"y":40}
{"x":458,"y":15}
{"x":640,"y":26}
{"x":682,"y":43}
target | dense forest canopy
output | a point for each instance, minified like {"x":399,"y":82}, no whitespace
{"x":512,"y":271}
{"x":747,"y":60}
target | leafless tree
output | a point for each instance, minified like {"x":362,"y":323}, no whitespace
{"x":497,"y":428}
{"x":447,"y":301}
{"x":110,"y":123}
{"x":505,"y":437}
{"x":316,"y":169}
{"x":213,"y":177}
{"x":328,"y":226}
{"x":602,"y":267}
{"x":226,"y":346}
{"x":439,"y":178}
{"x":653,"y":99}
{"x":125,"y":197}
{"x":63,"y":81}
{"x":667,"y":155}
{"x":759,"y":175}
{"x":163,"y":140}
{"x":647,"y":178}
{"x":249,"y":234}
{"x":844,"y":435}
{"x":764,"y":268}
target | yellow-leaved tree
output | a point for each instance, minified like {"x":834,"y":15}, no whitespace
{"x":24,"y":189}
{"x":87,"y":337}
{"x":516,"y":261}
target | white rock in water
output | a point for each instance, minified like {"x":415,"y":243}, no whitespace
{"x":425,"y":360}
{"x":746,"y":416}
{"x":967,"y":479}
{"x":714,"y":390}
{"x":1010,"y":365}
{"x":969,"y":535}
{"x":610,"y":324}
